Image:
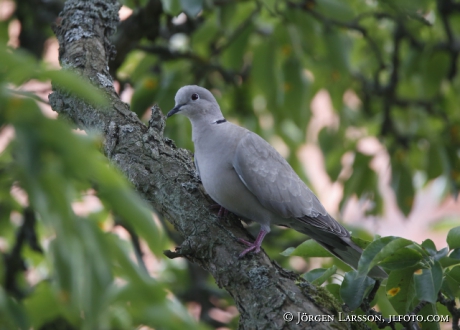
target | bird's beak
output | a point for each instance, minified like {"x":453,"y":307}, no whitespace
{"x":174,"y":110}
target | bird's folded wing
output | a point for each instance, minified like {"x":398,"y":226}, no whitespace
{"x":196,"y":167}
{"x":272,"y":180}
{"x":325,"y":223}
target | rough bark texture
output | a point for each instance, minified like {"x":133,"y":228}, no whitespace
{"x":165,"y":176}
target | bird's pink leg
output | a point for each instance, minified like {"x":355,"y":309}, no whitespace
{"x":222,"y":210}
{"x":253,"y":246}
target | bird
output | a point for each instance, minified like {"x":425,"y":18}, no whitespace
{"x":245,"y":175}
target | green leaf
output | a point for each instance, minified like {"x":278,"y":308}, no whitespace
{"x":12,"y":315}
{"x":132,"y":209}
{"x":124,"y":266}
{"x":192,"y":7}
{"x":332,"y":150}
{"x":434,"y":164}
{"x":401,"y":290}
{"x":334,"y":289}
{"x":429,"y":246}
{"x":138,"y":66}
{"x":204,"y":35}
{"x":233,"y":55}
{"x":306,"y":27}
{"x":363,"y":177}
{"x":428,"y":282}
{"x":292,"y":131}
{"x":134,"y":3}
{"x":288,"y":251}
{"x":172,"y":7}
{"x":320,"y":275}
{"x":441,"y":254}
{"x":309,"y":249}
{"x":362,"y":243}
{"x":453,"y":238}
{"x":436,"y":65}
{"x":296,"y":89}
{"x":73,"y":83}
{"x":402,"y":259}
{"x":448,"y":261}
{"x":337,"y":46}
{"x":42,"y":306}
{"x":451,"y":284}
{"x":401,"y":182}
{"x":354,"y":288}
{"x":17,"y":65}
{"x":455,"y":254}
{"x":264,"y":71}
{"x":428,"y":312}
{"x":337,"y":9}
{"x":378,"y":250}
{"x":144,"y":95}
{"x":226,"y":14}
{"x":454,"y":273}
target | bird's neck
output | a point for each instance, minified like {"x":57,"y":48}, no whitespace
{"x":206,"y":124}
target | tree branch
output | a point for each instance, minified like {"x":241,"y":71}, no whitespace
{"x":202,"y":65}
{"x":450,"y":304}
{"x":145,"y":22}
{"x":165,"y":176}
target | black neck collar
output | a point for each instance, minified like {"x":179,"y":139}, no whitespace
{"x":220,"y":121}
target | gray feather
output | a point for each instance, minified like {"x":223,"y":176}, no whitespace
{"x":272,"y":180}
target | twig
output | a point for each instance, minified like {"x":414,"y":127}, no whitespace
{"x":419,"y":307}
{"x":204,"y":65}
{"x":134,"y":240}
{"x":451,"y":307}
{"x":389,"y":90}
{"x":29,"y":95}
{"x":352,"y":25}
{"x":166,"y":53}
{"x":445,"y":9}
{"x":240,"y":29}
{"x":13,"y":260}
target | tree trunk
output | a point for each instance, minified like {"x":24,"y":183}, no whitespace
{"x":165,"y":176}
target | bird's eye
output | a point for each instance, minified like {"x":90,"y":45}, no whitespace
{"x":195,"y":96}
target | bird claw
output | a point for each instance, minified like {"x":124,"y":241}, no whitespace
{"x":223,"y":212}
{"x":253,"y":247}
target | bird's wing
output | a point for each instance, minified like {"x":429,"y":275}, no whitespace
{"x":276,"y":185}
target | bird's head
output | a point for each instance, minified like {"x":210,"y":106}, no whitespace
{"x":194,"y":101}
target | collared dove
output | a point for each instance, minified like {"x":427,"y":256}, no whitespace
{"x":247,"y":176}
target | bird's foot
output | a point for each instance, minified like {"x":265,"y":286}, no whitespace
{"x":253,"y":247}
{"x":223,"y":212}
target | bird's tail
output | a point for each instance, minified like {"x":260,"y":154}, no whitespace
{"x":339,"y":245}
{"x":350,"y":253}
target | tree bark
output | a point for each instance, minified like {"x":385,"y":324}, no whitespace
{"x":165,"y":176}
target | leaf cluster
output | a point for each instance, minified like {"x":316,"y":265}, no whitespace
{"x":422,"y":280}
{"x":61,"y":269}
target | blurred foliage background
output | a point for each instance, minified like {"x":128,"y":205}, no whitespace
{"x":389,"y":69}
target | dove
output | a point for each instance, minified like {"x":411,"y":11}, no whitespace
{"x":245,"y":175}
